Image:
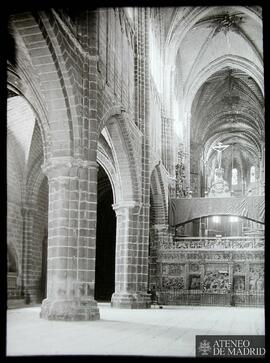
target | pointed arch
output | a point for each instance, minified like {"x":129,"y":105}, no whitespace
{"x":124,"y":150}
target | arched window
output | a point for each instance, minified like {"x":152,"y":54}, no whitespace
{"x":234,"y":176}
{"x":252,"y":174}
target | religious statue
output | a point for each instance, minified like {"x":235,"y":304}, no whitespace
{"x":195,"y":282}
{"x":239,"y":283}
{"x":252,"y":283}
{"x":260,"y":284}
{"x":220,"y":187}
{"x":219,"y":148}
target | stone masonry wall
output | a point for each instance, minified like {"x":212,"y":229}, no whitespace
{"x":40,"y":232}
{"x":14,"y":199}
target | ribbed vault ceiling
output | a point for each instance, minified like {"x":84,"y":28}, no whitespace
{"x":229,"y":107}
{"x":217,"y":53}
{"x":201,"y":35}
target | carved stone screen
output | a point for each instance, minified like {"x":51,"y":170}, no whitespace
{"x":211,"y":271}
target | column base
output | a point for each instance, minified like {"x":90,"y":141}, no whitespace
{"x":70,"y":310}
{"x":131,"y":301}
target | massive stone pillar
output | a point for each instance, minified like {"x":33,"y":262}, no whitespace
{"x":28,"y":212}
{"x":143,"y":254}
{"x":127,"y":254}
{"x":71,"y":241}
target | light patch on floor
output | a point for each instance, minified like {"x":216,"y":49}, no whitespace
{"x":169,"y":331}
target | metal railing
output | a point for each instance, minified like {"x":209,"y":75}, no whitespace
{"x":198,"y":297}
{"x":13,"y":289}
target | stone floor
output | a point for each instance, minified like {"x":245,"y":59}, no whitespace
{"x":169,"y":331}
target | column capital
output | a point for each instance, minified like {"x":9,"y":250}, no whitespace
{"x":61,"y":166}
{"x":123,"y":206}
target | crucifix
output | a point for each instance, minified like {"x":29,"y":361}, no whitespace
{"x":219,"y":148}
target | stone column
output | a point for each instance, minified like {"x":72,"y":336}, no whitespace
{"x":71,"y":241}
{"x":143,"y":254}
{"x":27,"y":288}
{"x":126,"y":294}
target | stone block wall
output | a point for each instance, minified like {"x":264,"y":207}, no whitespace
{"x":15,"y":231}
{"x":39,"y":237}
{"x":15,"y":174}
{"x":115,"y":67}
{"x":156,"y":136}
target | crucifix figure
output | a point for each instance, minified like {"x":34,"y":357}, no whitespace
{"x":219,"y":148}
